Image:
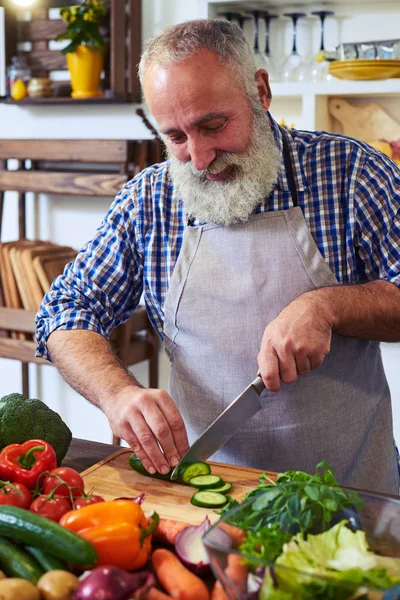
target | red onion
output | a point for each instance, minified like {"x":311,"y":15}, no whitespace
{"x":138,"y":499}
{"x":112,"y":583}
{"x":191,"y":550}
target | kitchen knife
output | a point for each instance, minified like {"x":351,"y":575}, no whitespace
{"x":225,"y":426}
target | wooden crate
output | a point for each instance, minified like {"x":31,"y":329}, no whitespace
{"x":121,"y":30}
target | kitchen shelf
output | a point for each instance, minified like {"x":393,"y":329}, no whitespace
{"x":283,"y":4}
{"x":65,"y":100}
{"x":121,"y":29}
{"x":337,"y":87}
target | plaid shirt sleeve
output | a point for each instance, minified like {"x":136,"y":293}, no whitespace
{"x":377,"y":219}
{"x":102,"y":287}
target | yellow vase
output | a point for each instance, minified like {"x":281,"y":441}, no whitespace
{"x":85,"y":66}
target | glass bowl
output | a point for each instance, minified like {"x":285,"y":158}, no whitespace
{"x":371,"y":517}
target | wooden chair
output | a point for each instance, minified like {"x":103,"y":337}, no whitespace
{"x":134,"y":341}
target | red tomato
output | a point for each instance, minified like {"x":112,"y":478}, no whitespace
{"x":53,"y":508}
{"x":69,"y":476}
{"x":91,"y":499}
{"x":16,"y":494}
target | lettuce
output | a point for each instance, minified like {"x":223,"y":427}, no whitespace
{"x":335,"y":564}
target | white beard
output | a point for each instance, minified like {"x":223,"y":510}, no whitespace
{"x":235,"y":199}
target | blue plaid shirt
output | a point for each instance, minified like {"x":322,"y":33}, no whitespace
{"x":349,"y":194}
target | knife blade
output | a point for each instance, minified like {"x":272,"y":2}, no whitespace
{"x":246,"y":405}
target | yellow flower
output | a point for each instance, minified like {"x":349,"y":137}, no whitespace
{"x":73,"y":19}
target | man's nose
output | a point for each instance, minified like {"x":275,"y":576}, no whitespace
{"x":201,"y":153}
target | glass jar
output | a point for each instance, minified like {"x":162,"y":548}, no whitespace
{"x":18,"y":69}
{"x":40,"y":87}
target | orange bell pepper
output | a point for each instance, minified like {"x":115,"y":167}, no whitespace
{"x":119,"y":530}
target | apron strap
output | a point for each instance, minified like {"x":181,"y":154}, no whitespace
{"x":289,"y":168}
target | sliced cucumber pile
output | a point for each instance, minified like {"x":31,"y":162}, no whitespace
{"x":208,"y":499}
{"x":206,"y":482}
{"x":192,"y":469}
{"x":225,"y":488}
{"x":212,"y":489}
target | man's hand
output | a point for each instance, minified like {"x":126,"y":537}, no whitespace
{"x":294,"y":343}
{"x":148,"y":419}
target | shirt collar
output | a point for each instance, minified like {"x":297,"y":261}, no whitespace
{"x":282,"y":182}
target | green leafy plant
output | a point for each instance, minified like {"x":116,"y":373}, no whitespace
{"x":296,"y":503}
{"x":83,"y":25}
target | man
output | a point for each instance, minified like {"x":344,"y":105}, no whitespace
{"x":256,"y":249}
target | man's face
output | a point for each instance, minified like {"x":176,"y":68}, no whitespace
{"x":223,"y":158}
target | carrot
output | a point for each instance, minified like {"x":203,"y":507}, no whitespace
{"x":167,"y":530}
{"x":236,"y":572}
{"x":179,"y":582}
{"x":236,"y":534}
{"x":218,"y":593}
{"x":155,"y":594}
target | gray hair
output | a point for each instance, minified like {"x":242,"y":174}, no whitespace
{"x":225,"y":39}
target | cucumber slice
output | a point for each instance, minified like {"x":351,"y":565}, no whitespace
{"x":206,"y":482}
{"x":224,"y":489}
{"x":191,"y":469}
{"x":208,"y":499}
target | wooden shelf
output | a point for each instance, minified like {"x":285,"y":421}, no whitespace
{"x":336,"y":87}
{"x":65,"y":100}
{"x":121,"y":30}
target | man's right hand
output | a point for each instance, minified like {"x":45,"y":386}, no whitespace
{"x":148,"y":419}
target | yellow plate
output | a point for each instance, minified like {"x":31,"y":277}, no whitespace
{"x":372,"y":70}
{"x":376,"y":62}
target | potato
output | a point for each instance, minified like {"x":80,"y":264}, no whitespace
{"x":57,"y":585}
{"x":13,"y":588}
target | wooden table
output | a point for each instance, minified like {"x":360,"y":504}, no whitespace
{"x":82,"y":454}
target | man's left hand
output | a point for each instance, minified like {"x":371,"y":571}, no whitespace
{"x":294,"y":343}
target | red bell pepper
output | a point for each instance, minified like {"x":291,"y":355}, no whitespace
{"x":24,"y":463}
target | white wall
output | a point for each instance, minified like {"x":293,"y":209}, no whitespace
{"x":72,"y":221}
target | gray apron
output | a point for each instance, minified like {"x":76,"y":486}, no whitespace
{"x":227,"y":285}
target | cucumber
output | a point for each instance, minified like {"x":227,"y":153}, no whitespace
{"x":206,"y":482}
{"x":15,"y":562}
{"x":138,"y":466}
{"x":191,"y":469}
{"x":224,"y":489}
{"x":208,"y":499}
{"x":34,"y":530}
{"x":45,"y":560}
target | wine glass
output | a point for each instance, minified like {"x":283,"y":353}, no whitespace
{"x":258,"y":58}
{"x":320,"y":70}
{"x":235,"y":16}
{"x":294,"y":60}
{"x":269,"y":64}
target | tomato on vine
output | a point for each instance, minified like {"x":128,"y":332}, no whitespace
{"x":15,"y":494}
{"x":51,"y":507}
{"x":86,"y":500}
{"x":55,"y":478}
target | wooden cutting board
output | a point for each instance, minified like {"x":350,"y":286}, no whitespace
{"x":113,"y":477}
{"x":27,"y":255}
{"x":47,"y":268}
{"x":366,"y":123}
{"x":9,"y":283}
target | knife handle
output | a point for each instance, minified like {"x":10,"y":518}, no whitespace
{"x":258,"y":385}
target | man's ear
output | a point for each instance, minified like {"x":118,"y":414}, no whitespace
{"x":264,"y":91}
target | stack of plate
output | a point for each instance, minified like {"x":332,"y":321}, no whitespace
{"x":365,"y":69}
